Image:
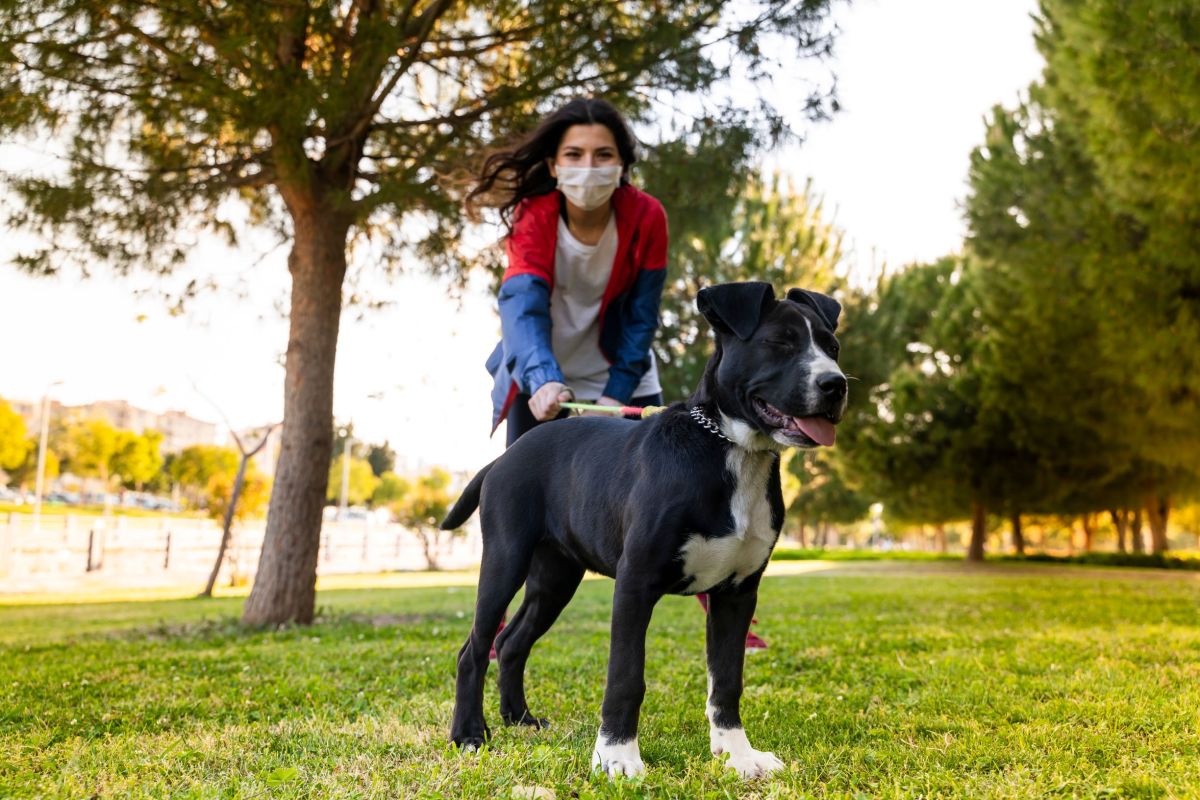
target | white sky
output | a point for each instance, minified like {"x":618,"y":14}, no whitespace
{"x":915,"y":80}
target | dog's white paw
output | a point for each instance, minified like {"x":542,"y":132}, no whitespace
{"x":754,"y":764}
{"x":617,"y":758}
{"x":748,"y":762}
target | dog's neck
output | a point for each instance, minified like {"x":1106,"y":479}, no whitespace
{"x":739,"y":433}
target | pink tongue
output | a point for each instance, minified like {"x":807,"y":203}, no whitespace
{"x":819,"y":429}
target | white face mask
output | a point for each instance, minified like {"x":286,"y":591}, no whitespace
{"x":588,"y":187}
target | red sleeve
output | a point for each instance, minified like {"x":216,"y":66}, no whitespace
{"x":530,"y":246}
{"x":653,"y":245}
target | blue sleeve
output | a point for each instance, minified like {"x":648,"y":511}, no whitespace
{"x":525,"y":331}
{"x":638,"y":323}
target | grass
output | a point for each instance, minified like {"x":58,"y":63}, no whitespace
{"x":883,"y":680}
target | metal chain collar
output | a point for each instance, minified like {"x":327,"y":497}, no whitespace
{"x":706,"y":423}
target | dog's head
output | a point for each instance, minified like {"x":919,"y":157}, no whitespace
{"x":775,"y":365}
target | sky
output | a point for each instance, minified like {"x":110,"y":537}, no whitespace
{"x":915,"y":80}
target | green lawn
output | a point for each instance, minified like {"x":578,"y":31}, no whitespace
{"x":883,"y":680}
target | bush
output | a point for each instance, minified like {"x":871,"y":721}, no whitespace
{"x":1150,"y":560}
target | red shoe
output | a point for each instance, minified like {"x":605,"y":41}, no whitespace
{"x":492,"y":652}
{"x":754,"y":642}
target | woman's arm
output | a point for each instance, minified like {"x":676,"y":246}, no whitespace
{"x":639,"y":312}
{"x":525,"y":326}
{"x":639,"y":323}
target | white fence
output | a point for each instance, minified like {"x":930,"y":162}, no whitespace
{"x":68,"y":552}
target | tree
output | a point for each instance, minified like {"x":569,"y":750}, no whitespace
{"x":1126,"y":72}
{"x":249,"y":502}
{"x":914,"y":436}
{"x":1043,"y":229}
{"x":24,"y":475}
{"x":138,"y":457}
{"x":1122,"y":76}
{"x":423,"y":508}
{"x":391,"y":488}
{"x":382,"y":459}
{"x":13,"y":445}
{"x":1065,"y":299}
{"x":201,"y":469}
{"x":248,"y":486}
{"x":332,"y":122}
{"x":90,"y":448}
{"x":362,"y":481}
{"x":824,"y":497}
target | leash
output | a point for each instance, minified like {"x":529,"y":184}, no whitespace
{"x":616,"y":411}
{"x":641,"y":413}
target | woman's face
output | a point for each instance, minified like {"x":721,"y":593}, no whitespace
{"x":586,"y":146}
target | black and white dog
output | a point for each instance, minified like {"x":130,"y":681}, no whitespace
{"x":687,"y":501}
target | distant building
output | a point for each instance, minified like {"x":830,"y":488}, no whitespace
{"x":177,"y":428}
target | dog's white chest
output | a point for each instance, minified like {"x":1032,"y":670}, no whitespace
{"x":708,"y":562}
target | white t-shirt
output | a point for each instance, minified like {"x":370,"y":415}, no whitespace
{"x":581,"y":272}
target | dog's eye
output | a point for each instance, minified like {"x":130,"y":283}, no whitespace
{"x":834,"y":349}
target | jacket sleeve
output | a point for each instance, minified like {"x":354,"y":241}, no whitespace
{"x":639,"y":311}
{"x":525,"y":331}
{"x":639,"y":322}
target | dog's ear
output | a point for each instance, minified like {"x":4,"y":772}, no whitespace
{"x":736,"y":308}
{"x":823,"y":304}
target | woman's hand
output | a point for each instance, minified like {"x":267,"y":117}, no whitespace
{"x":544,"y":403}
{"x":603,"y":401}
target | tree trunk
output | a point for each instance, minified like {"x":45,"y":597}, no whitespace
{"x":1120,"y":522}
{"x":429,"y":543}
{"x":1018,"y":538}
{"x":231,"y":510}
{"x":939,"y":532}
{"x":228,"y":527}
{"x":285,"y":584}
{"x":1088,"y":523}
{"x":1138,"y":545}
{"x":1157,"y":509}
{"x":803,"y":534}
{"x":978,"y":532}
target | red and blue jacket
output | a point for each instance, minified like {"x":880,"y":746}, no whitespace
{"x":523,"y":361}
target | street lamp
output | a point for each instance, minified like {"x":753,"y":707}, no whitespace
{"x":347,"y":451}
{"x":41,"y":461}
{"x":347,"y":454}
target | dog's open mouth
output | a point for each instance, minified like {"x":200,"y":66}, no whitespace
{"x":815,"y":430}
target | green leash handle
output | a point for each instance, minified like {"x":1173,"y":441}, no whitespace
{"x":616,"y":411}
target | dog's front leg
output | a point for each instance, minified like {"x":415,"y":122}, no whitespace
{"x":616,"y":751}
{"x":729,"y":614}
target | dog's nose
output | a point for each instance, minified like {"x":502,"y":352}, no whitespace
{"x":832,"y":385}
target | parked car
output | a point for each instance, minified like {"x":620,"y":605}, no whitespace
{"x":8,"y":495}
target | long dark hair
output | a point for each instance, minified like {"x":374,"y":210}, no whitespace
{"x":517,"y":171}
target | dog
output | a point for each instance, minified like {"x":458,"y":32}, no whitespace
{"x":686,"y":501}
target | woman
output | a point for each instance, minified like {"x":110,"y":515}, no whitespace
{"x":587,"y":257}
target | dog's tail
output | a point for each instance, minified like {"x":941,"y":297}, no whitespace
{"x":468,"y":501}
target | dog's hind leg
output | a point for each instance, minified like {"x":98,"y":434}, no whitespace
{"x":553,"y":579}
{"x":503,"y":569}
